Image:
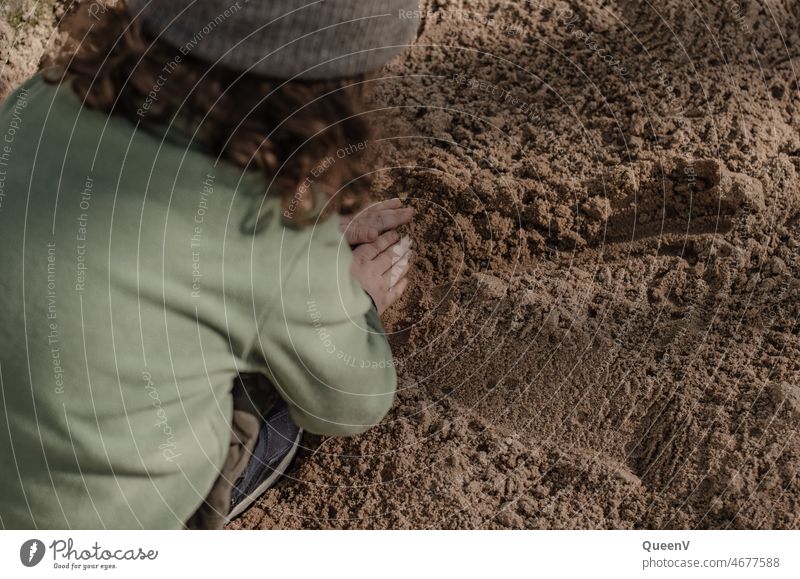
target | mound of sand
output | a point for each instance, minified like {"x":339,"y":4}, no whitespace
{"x":603,"y":326}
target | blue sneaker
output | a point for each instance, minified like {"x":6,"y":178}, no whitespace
{"x":277,"y":444}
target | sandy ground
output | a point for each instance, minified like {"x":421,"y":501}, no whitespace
{"x":603,"y":326}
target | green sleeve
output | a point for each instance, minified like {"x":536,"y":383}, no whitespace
{"x":323,"y":344}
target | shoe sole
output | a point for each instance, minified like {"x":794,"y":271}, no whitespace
{"x":248,"y":501}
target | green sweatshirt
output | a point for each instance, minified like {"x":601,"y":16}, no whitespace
{"x":133,"y":291}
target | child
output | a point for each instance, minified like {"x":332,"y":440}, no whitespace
{"x":180,"y":298}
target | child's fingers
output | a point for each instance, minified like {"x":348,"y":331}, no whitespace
{"x":366,"y":226}
{"x":387,"y":240}
{"x":398,"y":271}
{"x":357,"y":232}
{"x":389,"y":204}
{"x":393,"y":254}
{"x":386,"y":219}
{"x":395,"y":292}
{"x":393,"y":203}
{"x":393,"y":218}
{"x":370,"y":251}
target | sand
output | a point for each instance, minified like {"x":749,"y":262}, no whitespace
{"x":602,"y":329}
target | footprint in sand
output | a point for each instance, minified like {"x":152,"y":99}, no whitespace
{"x":672,"y":198}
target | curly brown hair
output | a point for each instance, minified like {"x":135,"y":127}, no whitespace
{"x":284,"y":129}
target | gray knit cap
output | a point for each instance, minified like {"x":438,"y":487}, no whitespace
{"x":311,"y":39}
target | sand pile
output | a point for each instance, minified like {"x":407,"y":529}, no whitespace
{"x":603,"y":325}
{"x":603,"y":329}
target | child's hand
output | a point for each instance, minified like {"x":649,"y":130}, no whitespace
{"x":366,"y":226}
{"x":381,"y":267}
